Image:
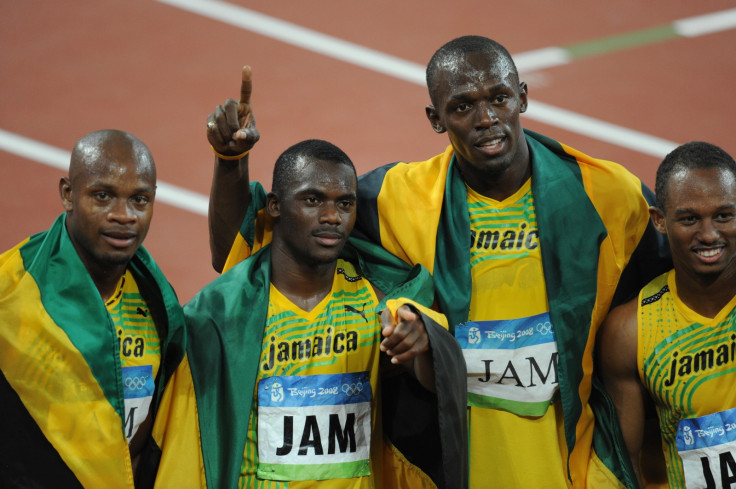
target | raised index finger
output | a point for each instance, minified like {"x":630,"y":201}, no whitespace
{"x":246,"y":86}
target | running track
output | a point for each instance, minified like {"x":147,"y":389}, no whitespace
{"x":624,"y":82}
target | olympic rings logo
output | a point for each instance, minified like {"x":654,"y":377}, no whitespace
{"x":353,"y":389}
{"x":136,"y":383}
{"x":545,"y":327}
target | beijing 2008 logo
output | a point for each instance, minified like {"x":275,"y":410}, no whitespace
{"x":473,"y":336}
{"x":277,"y":392}
{"x":687,"y":436}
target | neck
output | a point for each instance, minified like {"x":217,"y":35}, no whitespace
{"x":706,"y":295}
{"x":502,"y":182}
{"x":303,"y":284}
{"x":106,"y":280}
{"x":498,"y":187}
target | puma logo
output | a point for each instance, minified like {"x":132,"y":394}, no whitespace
{"x":142,"y":312}
{"x":361,"y":312}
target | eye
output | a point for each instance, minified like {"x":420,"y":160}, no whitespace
{"x":463,"y":107}
{"x":141,"y":199}
{"x":346,"y":204}
{"x":102,"y":196}
{"x":500,"y":99}
{"x":724,"y":216}
{"x":687,"y":220}
{"x":311,"y":200}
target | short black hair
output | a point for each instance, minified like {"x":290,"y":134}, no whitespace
{"x":460,"y":47}
{"x":692,"y":155}
{"x":284,"y":171}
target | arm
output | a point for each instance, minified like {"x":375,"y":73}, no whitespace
{"x":406,"y":343}
{"x":617,"y":346}
{"x":231,"y":130}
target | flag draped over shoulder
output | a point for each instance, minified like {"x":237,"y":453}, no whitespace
{"x":61,"y":393}
{"x":226,"y":321}
{"x":593,"y":222}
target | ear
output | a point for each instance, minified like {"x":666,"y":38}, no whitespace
{"x":434,"y":119}
{"x":65,"y":192}
{"x":523,"y":96}
{"x":658,"y":220}
{"x":273,"y":205}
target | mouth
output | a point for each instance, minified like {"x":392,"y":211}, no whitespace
{"x":491,"y":145}
{"x":329,"y":238}
{"x":709,"y":255}
{"x":119,"y":239}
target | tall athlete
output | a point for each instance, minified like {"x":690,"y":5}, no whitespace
{"x":529,"y":243}
{"x":89,"y":330}
{"x":291,"y":348}
{"x":676,"y":343}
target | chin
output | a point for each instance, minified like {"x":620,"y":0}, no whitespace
{"x":324,"y":259}
{"x":117,"y":259}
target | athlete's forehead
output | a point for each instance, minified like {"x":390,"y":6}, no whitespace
{"x":457,"y":73}
{"x":693,"y":188}
{"x":315,"y":173}
{"x":111,"y":154}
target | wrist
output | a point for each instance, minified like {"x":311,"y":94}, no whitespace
{"x":229,"y":158}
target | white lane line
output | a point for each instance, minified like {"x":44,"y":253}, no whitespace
{"x":34,"y":150}
{"x":305,"y":38}
{"x":58,"y":158}
{"x":601,"y":130}
{"x":706,"y":24}
{"x":540,"y":59}
{"x":406,"y":70}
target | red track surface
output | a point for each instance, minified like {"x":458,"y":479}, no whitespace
{"x":69,"y":68}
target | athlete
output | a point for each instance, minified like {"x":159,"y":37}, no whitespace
{"x":529,"y":243}
{"x":675,"y":344}
{"x":90,"y":327}
{"x":299,"y":362}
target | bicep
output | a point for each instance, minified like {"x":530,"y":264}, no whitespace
{"x":617,"y":347}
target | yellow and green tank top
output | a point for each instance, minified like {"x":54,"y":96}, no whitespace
{"x":313,"y":419}
{"x":687,"y":362}
{"x":510,"y":350}
{"x":140,"y":350}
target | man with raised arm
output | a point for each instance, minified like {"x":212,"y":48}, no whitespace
{"x":90,"y":330}
{"x":675,"y":343}
{"x":529,"y":243}
{"x":303,"y":373}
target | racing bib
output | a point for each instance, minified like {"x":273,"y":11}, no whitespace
{"x":138,"y":387}
{"x":314,"y":427}
{"x":707,"y":447}
{"x":512,"y":364}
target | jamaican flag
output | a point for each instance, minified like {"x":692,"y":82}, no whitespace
{"x":61,"y":392}
{"x":210,"y":397}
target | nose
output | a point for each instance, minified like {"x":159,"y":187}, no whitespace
{"x":121,"y":211}
{"x":330,"y":214}
{"x":708,"y":232}
{"x":486,"y":115}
